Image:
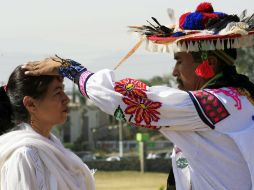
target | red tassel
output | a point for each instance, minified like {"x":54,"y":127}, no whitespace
{"x":205,"y":70}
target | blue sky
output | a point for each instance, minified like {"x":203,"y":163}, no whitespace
{"x":91,"y":32}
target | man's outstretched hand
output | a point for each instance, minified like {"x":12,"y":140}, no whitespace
{"x":49,"y":66}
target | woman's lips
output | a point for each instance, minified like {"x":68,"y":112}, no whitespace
{"x":66,"y":110}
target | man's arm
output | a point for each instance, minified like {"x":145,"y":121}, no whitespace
{"x":131,"y":100}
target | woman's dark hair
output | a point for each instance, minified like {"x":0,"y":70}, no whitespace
{"x":12,"y":109}
{"x":5,"y":111}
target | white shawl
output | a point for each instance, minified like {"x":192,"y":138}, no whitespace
{"x":64,"y":165}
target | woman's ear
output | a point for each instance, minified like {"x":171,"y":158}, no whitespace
{"x":29,"y":104}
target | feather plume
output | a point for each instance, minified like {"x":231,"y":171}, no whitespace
{"x":250,"y":21}
{"x":171,"y":15}
{"x":129,"y":53}
{"x":152,"y":29}
{"x":156,"y":21}
{"x":243,"y":15}
{"x":221,"y":24}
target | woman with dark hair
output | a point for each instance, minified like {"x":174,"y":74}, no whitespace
{"x":31,"y":157}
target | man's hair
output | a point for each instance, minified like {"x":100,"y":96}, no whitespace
{"x":231,"y":53}
{"x":230,"y":77}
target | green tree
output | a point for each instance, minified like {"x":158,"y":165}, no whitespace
{"x":245,"y":62}
{"x":147,"y":82}
{"x":157,"y":80}
{"x":167,"y":80}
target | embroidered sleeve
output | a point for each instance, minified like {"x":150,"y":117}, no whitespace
{"x":210,"y":109}
{"x":134,"y":102}
{"x":81,"y":81}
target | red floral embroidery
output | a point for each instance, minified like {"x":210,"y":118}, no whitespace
{"x":143,"y":109}
{"x":131,"y":88}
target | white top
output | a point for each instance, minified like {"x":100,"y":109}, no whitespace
{"x":214,"y":129}
{"x":29,"y":161}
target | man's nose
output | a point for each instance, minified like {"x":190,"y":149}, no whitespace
{"x":175,"y":72}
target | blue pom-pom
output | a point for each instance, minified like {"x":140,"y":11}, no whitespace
{"x":178,"y":34}
{"x":193,"y":21}
{"x":220,"y":14}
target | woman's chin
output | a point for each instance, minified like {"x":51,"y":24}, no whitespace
{"x":62,"y":120}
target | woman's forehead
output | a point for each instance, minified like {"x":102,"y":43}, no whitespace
{"x":56,"y":83}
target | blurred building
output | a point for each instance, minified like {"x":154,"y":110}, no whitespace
{"x":85,"y":122}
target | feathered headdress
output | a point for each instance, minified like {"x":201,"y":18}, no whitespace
{"x":202,"y":30}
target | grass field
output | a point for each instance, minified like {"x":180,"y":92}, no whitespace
{"x":129,"y":180}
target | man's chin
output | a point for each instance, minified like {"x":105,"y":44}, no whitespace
{"x":180,"y":86}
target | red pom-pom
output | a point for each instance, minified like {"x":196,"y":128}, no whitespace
{"x":207,"y":17}
{"x":205,"y":70}
{"x":182,"y":19}
{"x":205,"y":8}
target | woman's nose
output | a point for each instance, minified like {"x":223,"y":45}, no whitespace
{"x":66,"y":99}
